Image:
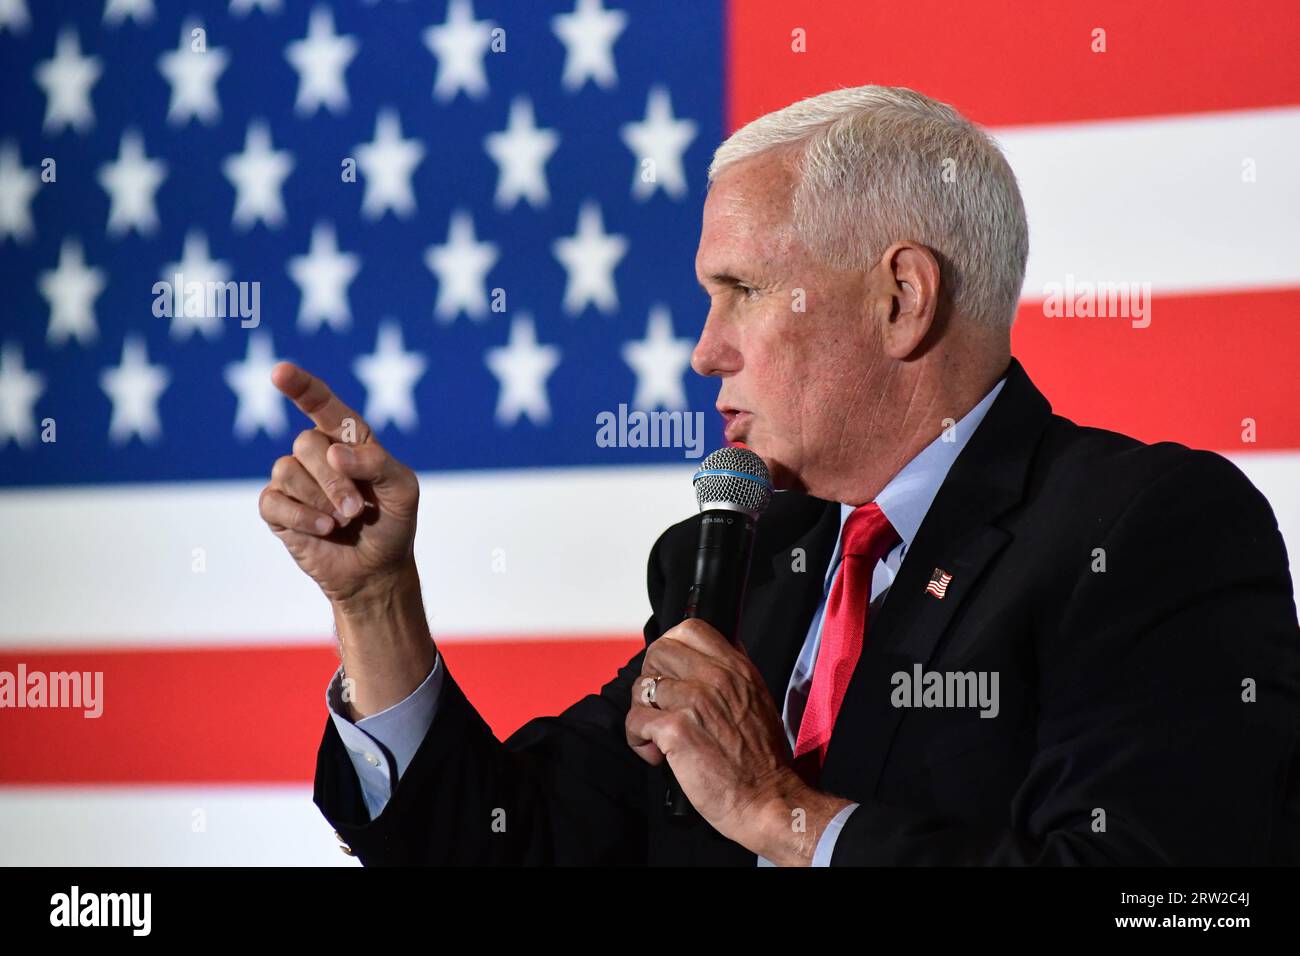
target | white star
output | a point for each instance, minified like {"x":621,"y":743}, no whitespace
{"x":522,"y":368}
{"x":13,"y":14}
{"x":193,"y":75}
{"x":257,"y":175}
{"x":71,"y":290}
{"x":261,"y":406}
{"x":241,"y":8}
{"x":188,"y":313}
{"x":19,"y":390}
{"x":387,"y":162}
{"x":320,"y":59}
{"x":461,"y":266}
{"x":66,"y":79}
{"x":131,"y":183}
{"x":134,"y":387}
{"x":459,"y":45}
{"x":389,"y":375}
{"x":116,"y":11}
{"x":659,"y":361}
{"x":588,"y":34}
{"x":521,"y":153}
{"x":323,"y":277}
{"x":661,"y":139}
{"x":17,"y":187}
{"x":589,"y":257}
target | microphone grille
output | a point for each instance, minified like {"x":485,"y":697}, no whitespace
{"x":733,"y":478}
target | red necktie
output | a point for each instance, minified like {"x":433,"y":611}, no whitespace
{"x":867,"y":538}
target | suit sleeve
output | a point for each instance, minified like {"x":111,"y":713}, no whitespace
{"x":382,"y":745}
{"x":564,"y":790}
{"x":1150,"y":748}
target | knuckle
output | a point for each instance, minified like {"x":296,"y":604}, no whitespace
{"x":282,"y":469}
{"x":692,"y":625}
{"x":702,"y":630}
{"x":686,"y":630}
{"x":305,"y":442}
{"x":673,"y":733}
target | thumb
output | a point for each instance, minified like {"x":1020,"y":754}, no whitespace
{"x":370,"y":462}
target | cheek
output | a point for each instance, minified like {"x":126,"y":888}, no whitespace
{"x":801,"y":385}
{"x":781,"y":367}
{"x":782,"y":396}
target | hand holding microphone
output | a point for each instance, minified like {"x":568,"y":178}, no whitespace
{"x":711,"y":717}
{"x":732,"y":488}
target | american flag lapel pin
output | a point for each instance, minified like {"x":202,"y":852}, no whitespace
{"x":939,"y":581}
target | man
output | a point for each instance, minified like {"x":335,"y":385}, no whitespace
{"x":975,"y":632}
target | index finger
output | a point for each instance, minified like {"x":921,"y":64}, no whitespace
{"x":315,"y":400}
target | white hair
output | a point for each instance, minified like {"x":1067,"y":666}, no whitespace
{"x":881,"y":164}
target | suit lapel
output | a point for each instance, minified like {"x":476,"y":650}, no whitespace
{"x":785,"y":585}
{"x":959,"y":536}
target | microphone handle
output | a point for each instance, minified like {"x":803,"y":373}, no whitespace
{"x":721,"y":571}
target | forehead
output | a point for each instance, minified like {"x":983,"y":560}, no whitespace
{"x":747,"y":213}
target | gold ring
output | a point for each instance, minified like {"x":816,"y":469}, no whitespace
{"x":649,"y":685}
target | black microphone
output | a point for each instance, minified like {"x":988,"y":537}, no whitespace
{"x":733,"y":489}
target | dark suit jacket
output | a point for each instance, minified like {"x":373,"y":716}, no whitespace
{"x":1121,"y":690}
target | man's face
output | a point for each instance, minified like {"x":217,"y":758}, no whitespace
{"x":790,"y":338}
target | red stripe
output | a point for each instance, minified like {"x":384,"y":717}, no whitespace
{"x":1205,"y":363}
{"x":1004,"y":64}
{"x":255,"y":714}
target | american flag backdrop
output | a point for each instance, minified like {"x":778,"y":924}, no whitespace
{"x":477,"y":221}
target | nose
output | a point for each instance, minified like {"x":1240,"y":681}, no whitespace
{"x":713,"y":353}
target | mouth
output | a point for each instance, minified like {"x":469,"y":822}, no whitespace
{"x":735,"y":423}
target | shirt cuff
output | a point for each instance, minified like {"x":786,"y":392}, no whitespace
{"x":826,"y":842}
{"x":382,"y":745}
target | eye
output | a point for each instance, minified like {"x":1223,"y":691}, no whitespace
{"x":747,"y":292}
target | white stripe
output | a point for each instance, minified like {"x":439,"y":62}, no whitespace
{"x":1162,"y":200}
{"x":157,"y":826}
{"x":113,"y":566}
{"x":108,"y":566}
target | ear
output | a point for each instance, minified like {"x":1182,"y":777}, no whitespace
{"x":909,"y":276}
